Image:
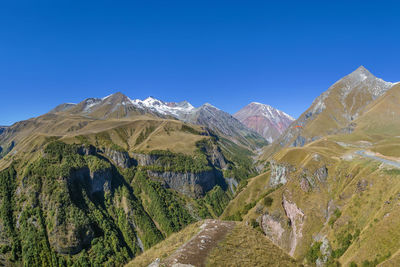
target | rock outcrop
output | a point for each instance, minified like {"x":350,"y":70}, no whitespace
{"x":95,"y":181}
{"x":296,"y":217}
{"x":145,"y":159}
{"x":285,"y":228}
{"x":215,"y":156}
{"x":121,"y":158}
{"x":279,"y":174}
{"x":191,"y":184}
{"x":273,"y":228}
{"x":321,"y":174}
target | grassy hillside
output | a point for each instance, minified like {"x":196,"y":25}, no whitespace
{"x":335,"y":206}
{"x":241,"y":245}
{"x":73,"y":205}
{"x":73,"y":193}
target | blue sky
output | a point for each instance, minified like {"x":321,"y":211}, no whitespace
{"x":227,"y":53}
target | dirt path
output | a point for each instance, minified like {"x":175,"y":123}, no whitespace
{"x":196,"y":250}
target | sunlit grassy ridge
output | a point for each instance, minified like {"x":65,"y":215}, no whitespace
{"x":245,"y":246}
{"x":241,"y":246}
{"x":166,"y":247}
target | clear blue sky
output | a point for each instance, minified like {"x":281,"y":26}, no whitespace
{"x":227,"y":53}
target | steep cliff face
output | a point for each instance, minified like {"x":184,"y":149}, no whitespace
{"x":121,"y":158}
{"x":100,"y":181}
{"x":95,"y":181}
{"x":190,"y":184}
{"x":145,"y":159}
{"x":310,"y":180}
{"x":273,"y":228}
{"x":190,"y":175}
{"x":74,"y":201}
{"x":68,"y":236}
{"x":215,"y":156}
{"x":296,"y":221}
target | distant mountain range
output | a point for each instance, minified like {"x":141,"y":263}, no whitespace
{"x":120,"y":106}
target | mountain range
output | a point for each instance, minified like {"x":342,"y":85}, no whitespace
{"x":111,"y":180}
{"x":120,"y":106}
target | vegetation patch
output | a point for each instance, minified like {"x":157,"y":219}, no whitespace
{"x":345,"y":239}
{"x":240,"y":160}
{"x":217,"y":199}
{"x":162,"y":204}
{"x":144,"y":134}
{"x":336,"y":214}
{"x":188,"y":129}
{"x":314,"y":252}
{"x":393,"y":172}
{"x":179,"y":162}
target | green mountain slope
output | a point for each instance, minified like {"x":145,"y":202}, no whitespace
{"x":92,"y":191}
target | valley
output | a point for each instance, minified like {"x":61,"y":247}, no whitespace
{"x":113,"y":181}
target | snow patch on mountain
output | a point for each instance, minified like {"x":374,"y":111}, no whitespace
{"x":165,"y":108}
{"x":104,"y":98}
{"x":271,"y":112}
{"x":91,"y":102}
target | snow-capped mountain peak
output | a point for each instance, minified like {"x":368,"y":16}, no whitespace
{"x":264,"y":119}
{"x":151,"y":101}
{"x":118,"y":106}
{"x":208,"y":105}
{"x":165,"y":108}
{"x":269,"y":112}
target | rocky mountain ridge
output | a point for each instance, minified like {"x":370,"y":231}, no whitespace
{"x":120,"y":106}
{"x":335,"y":110}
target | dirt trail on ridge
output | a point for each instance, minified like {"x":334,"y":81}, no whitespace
{"x":196,"y":250}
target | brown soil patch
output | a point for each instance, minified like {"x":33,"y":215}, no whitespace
{"x":196,"y":250}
